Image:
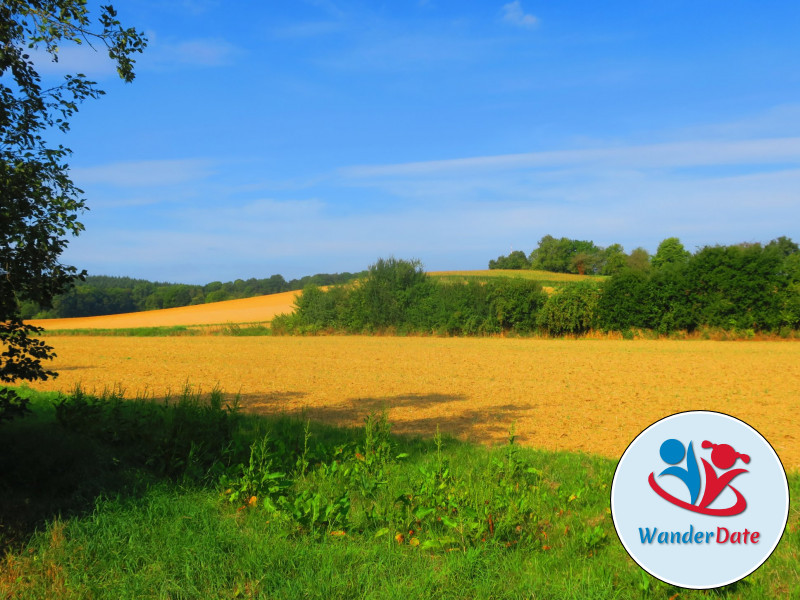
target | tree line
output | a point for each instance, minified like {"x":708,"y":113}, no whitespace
{"x":745,"y":288}
{"x":104,"y":295}
{"x":583,"y":257}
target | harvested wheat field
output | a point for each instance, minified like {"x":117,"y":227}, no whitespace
{"x":588,"y":395}
{"x":247,"y":310}
{"x":517,"y":273}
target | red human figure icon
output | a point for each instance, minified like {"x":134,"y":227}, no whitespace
{"x":724,"y":457}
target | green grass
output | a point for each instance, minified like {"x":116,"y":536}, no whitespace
{"x":107,"y":498}
{"x":176,"y":330}
{"x":232,"y":329}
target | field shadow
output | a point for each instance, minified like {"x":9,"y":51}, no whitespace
{"x":50,"y":471}
{"x":437,"y":412}
{"x":269,"y":403}
{"x":485,"y":426}
{"x":47,"y":472}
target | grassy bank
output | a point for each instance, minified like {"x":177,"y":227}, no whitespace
{"x":187,"y":498}
{"x":234,"y":329}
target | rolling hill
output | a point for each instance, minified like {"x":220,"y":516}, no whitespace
{"x":258,"y":309}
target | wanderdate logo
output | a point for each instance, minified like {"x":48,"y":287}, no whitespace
{"x":699,"y":499}
{"x":723,"y":457}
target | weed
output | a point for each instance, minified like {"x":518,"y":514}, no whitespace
{"x":258,"y":481}
{"x":594,"y":538}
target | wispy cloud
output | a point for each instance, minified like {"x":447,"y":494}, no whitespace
{"x":409,"y":51}
{"x":95,"y":63}
{"x":92,"y":62}
{"x":514,"y":14}
{"x":307,"y":30}
{"x":145,"y":173}
{"x":455,"y":213}
{"x":210,"y":52}
{"x":328,"y":6}
{"x":198,"y":7}
{"x":198,"y":52}
{"x":679,"y":154}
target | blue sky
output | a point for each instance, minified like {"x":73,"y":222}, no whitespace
{"x":298,"y":137}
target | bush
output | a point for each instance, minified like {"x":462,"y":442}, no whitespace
{"x":383,"y":298}
{"x":12,"y":405}
{"x":573,"y":310}
{"x":515,"y":303}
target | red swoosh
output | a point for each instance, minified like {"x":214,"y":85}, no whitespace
{"x":737,"y":508}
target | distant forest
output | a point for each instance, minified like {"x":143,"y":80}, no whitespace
{"x":104,"y":295}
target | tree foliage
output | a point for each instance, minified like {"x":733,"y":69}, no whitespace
{"x":670,"y":252}
{"x":397,"y":295}
{"x":40,"y":203}
{"x":745,"y":289}
{"x":573,"y":310}
{"x":515,"y":260}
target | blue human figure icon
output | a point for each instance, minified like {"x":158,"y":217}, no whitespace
{"x":672,"y":452}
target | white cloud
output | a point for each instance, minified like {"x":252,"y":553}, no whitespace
{"x":92,"y":62}
{"x":327,"y":6}
{"x":307,"y":30}
{"x":451,"y":214}
{"x":514,"y":14}
{"x":456,"y":220}
{"x":201,"y":52}
{"x":198,"y":52}
{"x":95,"y":63}
{"x":409,"y":51}
{"x":145,"y":173}
{"x":678,"y":154}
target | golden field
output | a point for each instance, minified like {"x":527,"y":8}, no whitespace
{"x":519,"y":273}
{"x":588,"y":395}
{"x":247,"y":310}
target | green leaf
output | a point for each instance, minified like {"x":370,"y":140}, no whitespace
{"x":449,"y":522}
{"x":422,"y":512}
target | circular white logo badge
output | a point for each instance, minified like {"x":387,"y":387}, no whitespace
{"x":700,"y":499}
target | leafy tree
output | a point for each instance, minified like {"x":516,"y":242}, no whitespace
{"x":40,"y":203}
{"x":784,"y":245}
{"x":384,"y":296}
{"x":670,"y":252}
{"x":613,"y":260}
{"x":639,"y":260}
{"x":584,"y":261}
{"x":737,"y":287}
{"x":565,"y":255}
{"x":515,"y":260}
{"x":551,"y":255}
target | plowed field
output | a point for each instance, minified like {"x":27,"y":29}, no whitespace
{"x":588,"y":395}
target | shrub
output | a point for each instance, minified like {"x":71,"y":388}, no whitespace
{"x":572,"y":310}
{"x":515,"y":303}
